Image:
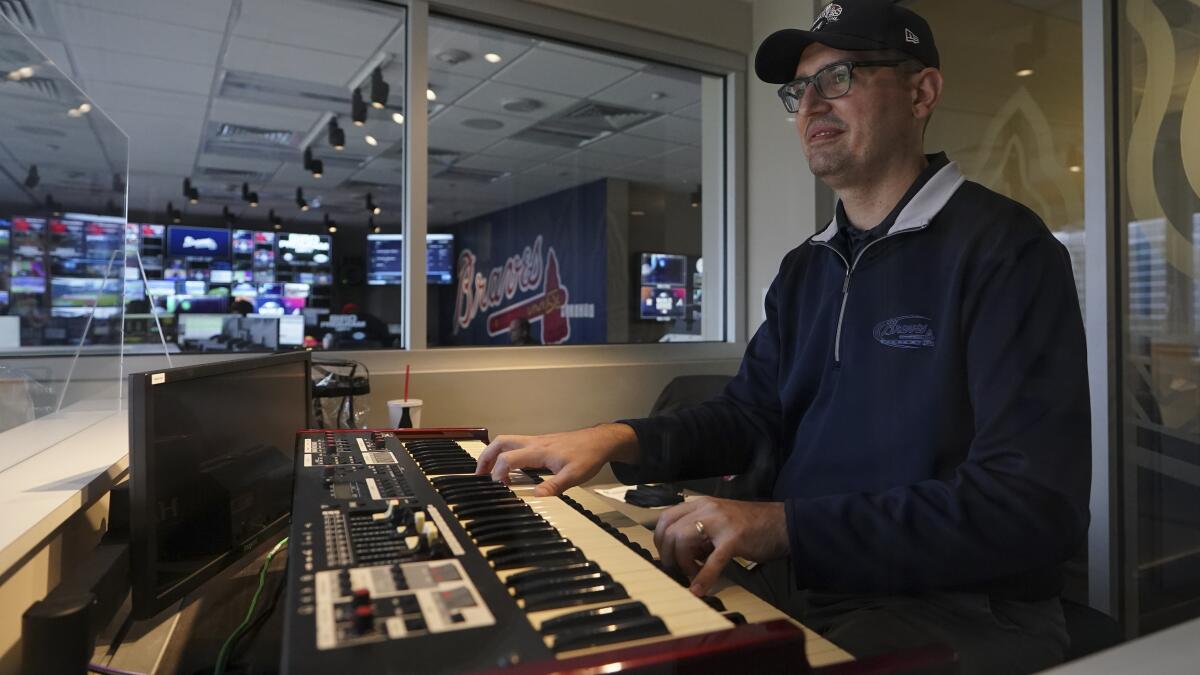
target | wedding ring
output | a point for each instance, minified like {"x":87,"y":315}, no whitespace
{"x":700,"y":530}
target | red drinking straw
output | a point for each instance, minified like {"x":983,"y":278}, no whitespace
{"x":406,"y":382}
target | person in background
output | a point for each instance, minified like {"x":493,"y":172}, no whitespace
{"x":242,"y":306}
{"x":920,"y":382}
{"x":520,"y":332}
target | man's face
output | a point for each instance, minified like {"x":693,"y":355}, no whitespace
{"x":848,"y":139}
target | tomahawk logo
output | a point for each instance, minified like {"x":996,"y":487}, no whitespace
{"x":477,"y":294}
{"x":831,"y":13}
{"x":910,"y":36}
{"x":205,"y":243}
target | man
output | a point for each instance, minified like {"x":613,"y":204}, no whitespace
{"x":520,"y":332}
{"x":920,"y":378}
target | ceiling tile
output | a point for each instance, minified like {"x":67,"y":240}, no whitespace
{"x":491,"y":96}
{"x":524,"y":150}
{"x":288,"y":61}
{"x":669,"y":128}
{"x":98,"y":65}
{"x":652,"y":91}
{"x":631,"y":146}
{"x":354,"y":30}
{"x":83,"y":27}
{"x":263,"y":116}
{"x":449,"y":87}
{"x":561,"y":73}
{"x":207,"y":15}
{"x":446,"y":35}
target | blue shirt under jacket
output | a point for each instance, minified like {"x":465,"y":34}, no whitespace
{"x":925,"y":401}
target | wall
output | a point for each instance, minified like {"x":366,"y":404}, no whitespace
{"x":780,"y":188}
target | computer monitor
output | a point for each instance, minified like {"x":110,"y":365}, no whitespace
{"x":210,"y":464}
{"x":439,"y":259}
{"x":198,"y":327}
{"x":663,"y":269}
{"x":662,"y":303}
{"x":385,"y":259}
{"x":291,"y":330}
{"x":251,"y":332}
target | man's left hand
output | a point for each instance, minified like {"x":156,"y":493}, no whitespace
{"x":753,"y":530}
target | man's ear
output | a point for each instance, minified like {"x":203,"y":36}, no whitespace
{"x":926,"y":92}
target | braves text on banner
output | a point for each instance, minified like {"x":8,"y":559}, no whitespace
{"x":543,"y":261}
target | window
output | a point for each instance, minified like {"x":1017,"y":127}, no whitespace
{"x":567,"y":200}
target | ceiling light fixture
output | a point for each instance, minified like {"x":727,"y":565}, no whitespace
{"x":54,"y":207}
{"x":249,"y":197}
{"x":372,"y":207}
{"x":358,"y":108}
{"x":20,"y":74}
{"x":1024,"y":72}
{"x":330,"y":224}
{"x":228,"y":215}
{"x":1075,"y":168}
{"x":337,"y":135}
{"x":192,"y":194}
{"x":371,"y":224}
{"x":300,"y":202}
{"x":453,"y":56}
{"x":398,"y":118}
{"x":274,"y":219}
{"x":32,"y":178}
{"x":370,"y":140}
{"x":379,"y":89}
{"x":492,"y":57}
{"x":696,"y":197}
{"x":430,"y":94}
{"x":173,"y":215}
{"x":318,"y":168}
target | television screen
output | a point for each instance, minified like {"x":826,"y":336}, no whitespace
{"x":65,"y":238}
{"x":197,"y":304}
{"x":243,"y":276}
{"x":102,"y":238}
{"x":304,"y":250}
{"x":221,"y":273}
{"x":244,"y":290}
{"x":199,"y":327}
{"x":4,"y":298}
{"x":662,"y":303}
{"x":664,"y":268}
{"x":27,"y":284}
{"x":291,"y":331}
{"x":385,"y":259}
{"x":197,"y":242}
{"x":211,"y":465}
{"x":251,"y":332}
{"x":160,"y":288}
{"x":5,"y":237}
{"x":28,"y":236}
{"x":439,"y":259}
{"x":243,"y":242}
{"x":82,"y":292}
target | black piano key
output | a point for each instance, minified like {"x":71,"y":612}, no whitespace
{"x":618,"y":631}
{"x":453,"y":496}
{"x":714,"y":602}
{"x":546,"y":573}
{"x":575,"y":580}
{"x":592,"y":617}
{"x":447,"y":468}
{"x":736,"y":618}
{"x":527,"y":533}
{"x":447,"y":481}
{"x":569,"y":597}
{"x":512,"y":504}
{"x":508,"y":549}
{"x":482,"y":523}
{"x":536,"y":558}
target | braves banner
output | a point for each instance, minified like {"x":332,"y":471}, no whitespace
{"x":541,"y":264}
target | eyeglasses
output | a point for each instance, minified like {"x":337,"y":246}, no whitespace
{"x":832,"y":81}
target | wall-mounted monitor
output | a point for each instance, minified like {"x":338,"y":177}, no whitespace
{"x":304,"y":249}
{"x":663,"y":269}
{"x":198,"y":242}
{"x":28,"y":237}
{"x":385,"y":259}
{"x":662,"y":303}
{"x":210,"y":465}
{"x":439,"y":259}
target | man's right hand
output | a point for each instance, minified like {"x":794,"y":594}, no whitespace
{"x":574,"y":456}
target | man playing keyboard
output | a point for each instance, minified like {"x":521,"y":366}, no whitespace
{"x":920,"y":380}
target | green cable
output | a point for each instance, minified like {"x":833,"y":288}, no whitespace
{"x":262,"y":580}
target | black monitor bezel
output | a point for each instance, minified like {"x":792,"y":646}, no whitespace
{"x":146,"y":601}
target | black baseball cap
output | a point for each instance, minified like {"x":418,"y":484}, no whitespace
{"x":852,"y":25}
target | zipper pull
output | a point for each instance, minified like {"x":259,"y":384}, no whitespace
{"x":846,"y":284}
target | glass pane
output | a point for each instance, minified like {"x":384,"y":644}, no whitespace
{"x":252,"y":183}
{"x":1012,"y":111}
{"x":1159,"y":108}
{"x":567,"y":195}
{"x":63,"y":175}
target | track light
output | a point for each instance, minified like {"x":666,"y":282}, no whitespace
{"x":308,"y":159}
{"x":330,"y":224}
{"x":32,"y":178}
{"x":300,"y":202}
{"x":173,"y":215}
{"x":358,"y":109}
{"x":192,"y":194}
{"x":398,"y":118}
{"x":371,"y":140}
{"x":337,"y":135}
{"x":372,"y":207}
{"x":249,"y":197}
{"x":318,"y":168}
{"x":696,"y":197}
{"x":54,"y":207}
{"x":228,"y":215}
{"x":371,"y":224}
{"x":274,"y":219}
{"x":379,"y":89}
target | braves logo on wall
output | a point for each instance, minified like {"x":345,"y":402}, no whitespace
{"x":482,"y":296}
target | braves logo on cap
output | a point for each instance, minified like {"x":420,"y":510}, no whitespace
{"x":831,"y":12}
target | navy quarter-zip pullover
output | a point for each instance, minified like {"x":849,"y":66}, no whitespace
{"x":926,"y":401}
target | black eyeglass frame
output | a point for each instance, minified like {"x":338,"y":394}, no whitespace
{"x":786,"y":96}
